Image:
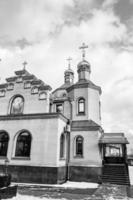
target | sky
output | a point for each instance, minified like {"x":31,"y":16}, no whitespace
{"x":46,"y":32}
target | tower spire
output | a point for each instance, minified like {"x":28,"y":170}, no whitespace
{"x":83,"y":47}
{"x":84,"y":68}
{"x":69,"y":74}
{"x":69,"y":62}
{"x":24,"y":64}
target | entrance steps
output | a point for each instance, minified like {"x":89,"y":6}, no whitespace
{"x":115,"y":174}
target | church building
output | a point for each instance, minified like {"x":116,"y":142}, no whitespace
{"x":54,"y":136}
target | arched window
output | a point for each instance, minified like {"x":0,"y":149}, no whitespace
{"x":62,"y":146}
{"x":59,"y":108}
{"x":34,"y":90}
{"x":23,"y":144}
{"x":79,"y":146}
{"x":81,"y":106}
{"x":4,"y":138}
{"x":10,"y":86}
{"x":42,"y":95}
{"x":2,"y":93}
{"x":17,"y":105}
{"x":27,"y":84}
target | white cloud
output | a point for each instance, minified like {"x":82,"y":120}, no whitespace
{"x":109,"y":3}
{"x":44,"y":24}
{"x":33,"y":20}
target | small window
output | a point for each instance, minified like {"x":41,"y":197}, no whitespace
{"x":17,"y":105}
{"x":23,"y":145}
{"x":34,"y":90}
{"x":27,"y":85}
{"x":4,"y":138}
{"x":10,"y":86}
{"x":59,"y":108}
{"x":62,"y":146}
{"x":42,"y":95}
{"x":2,"y":93}
{"x":79,"y":146}
{"x":19,"y":79}
{"x":81,"y":106}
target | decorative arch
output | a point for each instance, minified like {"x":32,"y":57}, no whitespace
{"x":79,"y":143}
{"x":62,"y":145}
{"x":16,"y":105}
{"x":42,"y":95}
{"x":81,"y":105}
{"x":34,"y":90}
{"x":23,"y":144}
{"x":27,"y":85}
{"x":4,"y":139}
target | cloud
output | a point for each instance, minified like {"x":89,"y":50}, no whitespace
{"x":30,"y":20}
{"x":118,"y":105}
{"x":80,"y":11}
{"x":45,"y":33}
{"x":22,"y":43}
{"x":109,"y":3}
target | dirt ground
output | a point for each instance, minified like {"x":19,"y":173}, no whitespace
{"x":59,"y":193}
{"x":103,"y":192}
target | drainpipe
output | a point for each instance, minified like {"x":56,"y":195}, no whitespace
{"x":68,"y":140}
{"x":68,"y":151}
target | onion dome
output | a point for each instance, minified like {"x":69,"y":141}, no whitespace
{"x":84,"y":66}
{"x":69,"y":73}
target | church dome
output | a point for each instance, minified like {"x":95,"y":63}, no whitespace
{"x":69,"y":70}
{"x":84,"y":65}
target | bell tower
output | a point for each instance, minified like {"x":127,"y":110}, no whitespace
{"x":69,"y":74}
{"x":83,"y":68}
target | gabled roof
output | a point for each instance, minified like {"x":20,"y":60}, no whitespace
{"x":85,"y":125}
{"x":113,"y":138}
{"x":22,"y":72}
{"x":63,"y":87}
{"x":25,"y":76}
{"x":84,"y":84}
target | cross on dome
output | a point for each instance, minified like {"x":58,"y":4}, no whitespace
{"x":83,"y":47}
{"x":24,"y":64}
{"x":69,"y":62}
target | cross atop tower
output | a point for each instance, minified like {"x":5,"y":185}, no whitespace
{"x":24,"y":64}
{"x":83,"y":47}
{"x":69,"y":62}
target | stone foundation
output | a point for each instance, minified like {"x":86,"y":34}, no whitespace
{"x":87,"y":174}
{"x":31,"y":174}
{"x":53,"y":175}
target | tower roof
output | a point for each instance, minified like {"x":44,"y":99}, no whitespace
{"x":69,"y":70}
{"x":84,"y":64}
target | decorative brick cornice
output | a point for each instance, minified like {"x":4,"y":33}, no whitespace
{"x":60,"y":100}
{"x":11,"y":79}
{"x":22,"y":72}
{"x":37,"y":82}
{"x":29,"y":77}
{"x":33,"y":116}
{"x":2,"y":86}
{"x":45,"y":87}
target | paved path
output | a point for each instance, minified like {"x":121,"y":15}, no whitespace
{"x":110,"y":192}
{"x":104,"y":192}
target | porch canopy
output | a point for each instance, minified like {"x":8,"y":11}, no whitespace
{"x":113,"y":138}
